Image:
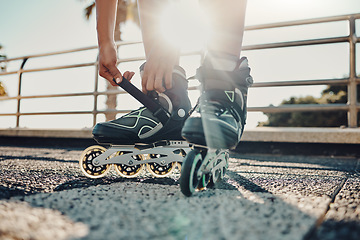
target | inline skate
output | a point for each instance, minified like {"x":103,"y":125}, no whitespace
{"x":147,"y":137}
{"x":215,"y":125}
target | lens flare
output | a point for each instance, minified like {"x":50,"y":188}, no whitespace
{"x":183,"y":24}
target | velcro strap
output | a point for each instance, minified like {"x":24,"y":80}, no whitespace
{"x":149,"y":103}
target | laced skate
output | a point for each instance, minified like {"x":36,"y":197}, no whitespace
{"x":215,"y":126}
{"x":149,"y":136}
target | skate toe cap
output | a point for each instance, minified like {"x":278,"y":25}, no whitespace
{"x":108,"y":133}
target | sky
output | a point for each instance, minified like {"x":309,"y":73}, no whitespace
{"x":40,"y":26}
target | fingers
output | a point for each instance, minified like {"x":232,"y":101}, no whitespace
{"x":114,"y":73}
{"x":157,"y":78}
{"x":108,"y":64}
{"x":110,"y":72}
{"x":128,"y":75}
{"x":168,"y":79}
{"x":158,"y":81}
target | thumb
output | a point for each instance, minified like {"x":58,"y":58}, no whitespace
{"x":117,"y":76}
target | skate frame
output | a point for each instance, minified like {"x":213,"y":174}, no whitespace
{"x":215,"y":161}
{"x":165,"y":151}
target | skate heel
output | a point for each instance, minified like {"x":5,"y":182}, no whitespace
{"x":216,"y":124}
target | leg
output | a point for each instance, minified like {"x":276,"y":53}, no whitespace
{"x":227,"y":20}
{"x":160,"y":57}
{"x":222,"y":104}
{"x":143,"y":125}
{"x":224,"y":79}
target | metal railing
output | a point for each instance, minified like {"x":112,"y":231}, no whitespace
{"x":352,"y":106}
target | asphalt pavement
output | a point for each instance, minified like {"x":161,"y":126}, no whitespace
{"x":44,"y":195}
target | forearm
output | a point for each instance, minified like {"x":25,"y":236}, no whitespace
{"x":149,"y":12}
{"x":105,"y":18}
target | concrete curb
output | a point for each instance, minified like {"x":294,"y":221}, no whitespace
{"x":303,"y":135}
{"x":260,"y":134}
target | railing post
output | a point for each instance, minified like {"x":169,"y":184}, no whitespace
{"x":20,"y":72}
{"x":352,"y":86}
{"x":96,"y":90}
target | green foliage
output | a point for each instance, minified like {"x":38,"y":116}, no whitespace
{"x":332,"y":94}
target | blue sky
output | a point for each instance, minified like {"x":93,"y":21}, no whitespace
{"x":39,"y":26}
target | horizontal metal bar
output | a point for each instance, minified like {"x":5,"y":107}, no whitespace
{"x":50,"y":68}
{"x":48,"y":96}
{"x":301,"y":108}
{"x":59,"y":67}
{"x":269,"y":109}
{"x":63,"y":113}
{"x":341,"y":81}
{"x":297,"y":43}
{"x":122,"y":60}
{"x":302,"y":22}
{"x":65,"y":95}
{"x":8,"y":73}
{"x":111,"y":92}
{"x":118,"y":43}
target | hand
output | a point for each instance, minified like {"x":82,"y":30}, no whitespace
{"x":107,"y":65}
{"x":159,"y":68}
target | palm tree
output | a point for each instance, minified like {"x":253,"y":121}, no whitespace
{"x":2,"y":68}
{"x":126,"y":9}
{"x":2,"y":57}
{"x":2,"y":90}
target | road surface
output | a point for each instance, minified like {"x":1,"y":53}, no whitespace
{"x":44,"y":195}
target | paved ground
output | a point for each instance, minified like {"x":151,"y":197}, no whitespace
{"x":43,"y":195}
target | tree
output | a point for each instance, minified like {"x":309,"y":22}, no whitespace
{"x":126,"y":9}
{"x":2,"y":90}
{"x":332,"y":94}
{"x":2,"y":68}
{"x":2,"y":57}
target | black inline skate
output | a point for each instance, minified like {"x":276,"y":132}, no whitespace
{"x":215,"y":126}
{"x":149,"y":136}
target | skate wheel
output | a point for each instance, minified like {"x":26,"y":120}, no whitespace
{"x":86,"y":162}
{"x":205,"y":181}
{"x":179,"y":165}
{"x":159,"y":170}
{"x":132,"y":171}
{"x":189,"y":179}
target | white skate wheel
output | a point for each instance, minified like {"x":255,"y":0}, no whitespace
{"x":133,"y":171}
{"x":159,"y":170}
{"x":86,"y":162}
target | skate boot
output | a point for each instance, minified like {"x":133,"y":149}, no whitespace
{"x":216,"y":124}
{"x":149,"y":136}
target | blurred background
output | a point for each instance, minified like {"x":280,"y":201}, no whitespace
{"x":36,"y":27}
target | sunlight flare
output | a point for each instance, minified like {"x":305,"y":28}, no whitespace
{"x":184,"y":24}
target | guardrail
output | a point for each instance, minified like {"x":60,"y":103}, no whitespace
{"x":352,"y":106}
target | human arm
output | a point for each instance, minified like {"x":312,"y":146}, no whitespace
{"x":160,"y":56}
{"x":105,"y":18}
